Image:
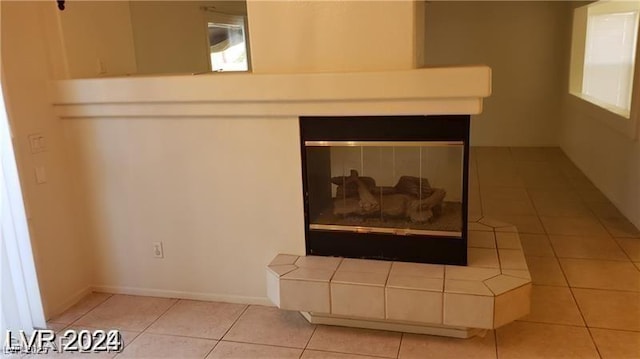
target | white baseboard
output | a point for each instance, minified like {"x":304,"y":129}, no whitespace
{"x":73,"y":299}
{"x":215,"y":297}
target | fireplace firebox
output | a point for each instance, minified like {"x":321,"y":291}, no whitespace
{"x":386,"y":187}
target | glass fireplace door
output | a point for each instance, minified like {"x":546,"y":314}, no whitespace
{"x":392,"y":187}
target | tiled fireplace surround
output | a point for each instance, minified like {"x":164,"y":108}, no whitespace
{"x":492,"y":291}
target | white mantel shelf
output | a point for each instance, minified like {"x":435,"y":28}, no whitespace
{"x":441,"y":90}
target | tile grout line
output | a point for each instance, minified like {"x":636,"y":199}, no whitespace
{"x":234,"y":322}
{"x":400,"y":345}
{"x":88,"y":311}
{"x":211,"y":350}
{"x":124,"y":345}
{"x":259,"y":344}
{"x":594,"y":342}
{"x":225,"y":333}
{"x":160,"y":316}
{"x":563,"y":271}
{"x":350,"y":354}
{"x":315,"y":327}
{"x":575,"y":301}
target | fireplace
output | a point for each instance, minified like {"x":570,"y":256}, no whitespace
{"x":386,"y":187}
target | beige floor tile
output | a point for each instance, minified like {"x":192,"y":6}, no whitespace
{"x":355,"y":341}
{"x":190,"y":318}
{"x":167,"y":346}
{"x":553,"y":305}
{"x":508,"y":240}
{"x":126,"y":338}
{"x":542,"y":175}
{"x":424,"y":346}
{"x":512,"y":259}
{"x":481,"y":239}
{"x":535,"y":340}
{"x":536,"y":245}
{"x":475,"y":204}
{"x":600,"y":274}
{"x":52,"y":353}
{"x":56,"y":327}
{"x":364,"y":265}
{"x":126,"y":312}
{"x":615,"y":344}
{"x":492,"y":153}
{"x":589,"y":193}
{"x":504,"y":193}
{"x":529,"y":154}
{"x":546,"y":271}
{"x":573,"y":226}
{"x":498,"y":176}
{"x":230,"y":350}
{"x":498,"y":208}
{"x":271,"y":326}
{"x":604,"y":209}
{"x":609,"y":309}
{"x":418,"y":269}
{"x":620,"y":227}
{"x":483,"y":257}
{"x":524,"y":223}
{"x":631,"y":246}
{"x":539,"y":195}
{"x":561,"y":208}
{"x":317,"y":354}
{"x":81,"y":308}
{"x":587,"y":247}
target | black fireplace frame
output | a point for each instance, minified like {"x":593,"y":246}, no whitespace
{"x":406,"y":248}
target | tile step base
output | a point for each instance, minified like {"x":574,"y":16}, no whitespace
{"x":394,"y":326}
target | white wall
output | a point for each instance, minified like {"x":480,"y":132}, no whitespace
{"x":609,"y":158}
{"x":170,"y":36}
{"x":603,"y":150}
{"x":329,"y":36}
{"x":58,"y":239}
{"x":524,"y":43}
{"x":97,"y":32}
{"x":223,"y":195}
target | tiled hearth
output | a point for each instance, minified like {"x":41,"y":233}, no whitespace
{"x":493,"y":290}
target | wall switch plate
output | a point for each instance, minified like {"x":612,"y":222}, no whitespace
{"x":100,"y":66}
{"x":37,"y":143}
{"x":41,"y":175}
{"x":157,"y":250}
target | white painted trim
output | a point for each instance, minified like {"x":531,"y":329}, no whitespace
{"x":151,"y":292}
{"x":433,"y":91}
{"x":27,"y":312}
{"x":281,"y":109}
{"x":426,"y":83}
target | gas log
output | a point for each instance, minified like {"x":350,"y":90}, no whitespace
{"x":412,"y":198}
